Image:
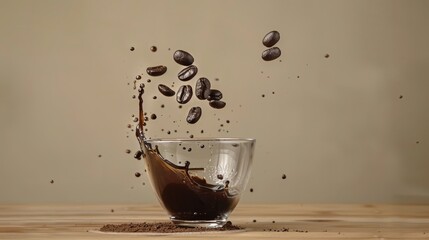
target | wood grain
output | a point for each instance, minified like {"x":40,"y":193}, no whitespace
{"x":334,"y":221}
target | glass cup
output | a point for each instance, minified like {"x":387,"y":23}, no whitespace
{"x":199,"y":181}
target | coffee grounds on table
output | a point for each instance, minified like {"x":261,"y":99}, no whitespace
{"x":162,"y":227}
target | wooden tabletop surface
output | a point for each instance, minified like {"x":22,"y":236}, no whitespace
{"x":304,"y":221}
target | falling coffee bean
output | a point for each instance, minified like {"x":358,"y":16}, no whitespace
{"x":194,"y":115}
{"x":184,"y":94}
{"x":156,"y":71}
{"x":271,"y":39}
{"x":183,"y":58}
{"x":187,"y":73}
{"x":214,"y":94}
{"x":202,"y":88}
{"x":217,"y":104}
{"x":166,"y":91}
{"x":271,"y":54}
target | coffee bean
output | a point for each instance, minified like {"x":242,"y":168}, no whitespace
{"x":215,"y":95}
{"x":217,"y":104}
{"x":202,"y":88}
{"x":194,"y":115}
{"x":271,"y":39}
{"x":187,"y":73}
{"x":166,"y":91}
{"x":271,"y":54}
{"x":184,"y":94}
{"x":156,"y":71}
{"x":183,"y":58}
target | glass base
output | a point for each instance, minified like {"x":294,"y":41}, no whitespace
{"x":199,"y":223}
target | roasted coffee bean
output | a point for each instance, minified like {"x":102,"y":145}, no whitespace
{"x":214,"y":95}
{"x":156,"y":71}
{"x":194,"y":115}
{"x":166,"y":91}
{"x":217,"y":104}
{"x":183,"y":58}
{"x":271,"y":54}
{"x":271,"y":39}
{"x":188,"y":73}
{"x":202,"y":88}
{"x":184,"y":94}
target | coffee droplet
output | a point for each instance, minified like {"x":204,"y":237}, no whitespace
{"x":138,"y":155}
{"x":137,"y":174}
{"x":153,"y":116}
{"x":251,"y":190}
{"x":271,"y":39}
{"x":52,"y":181}
{"x":132,"y":49}
{"x":153,"y":48}
{"x":284,"y":176}
{"x":127,"y":151}
{"x":220,"y":176}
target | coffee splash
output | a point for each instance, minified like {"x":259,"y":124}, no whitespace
{"x":184,"y":196}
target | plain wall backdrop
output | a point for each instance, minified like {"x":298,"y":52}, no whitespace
{"x":348,"y":128}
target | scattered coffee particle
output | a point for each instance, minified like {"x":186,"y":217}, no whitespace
{"x":52,"y":181}
{"x":297,"y":76}
{"x":251,"y":190}
{"x":162,"y":105}
{"x":417,"y":142}
{"x":184,"y":148}
{"x":143,"y":183}
{"x":227,"y":121}
{"x":112,"y":210}
{"x":99,"y":155}
{"x":180,"y":106}
{"x":400,"y":96}
{"x":189,"y":149}
{"x":220,"y":176}
{"x":191,"y":136}
{"x":138,"y":77}
{"x":327,"y":55}
{"x":202,"y":131}
{"x":274,"y":221}
{"x":138,"y":155}
{"x":134,"y":96}
{"x":254,"y":220}
{"x":153,"y":116}
{"x":168,"y":132}
{"x":155,"y":97}
{"x":163,"y":227}
{"x":202,"y":146}
{"x":137,"y":174}
{"x":263,"y":95}
{"x":153,"y":48}
{"x":148,"y":81}
{"x":127,"y":151}
{"x":135,"y":119}
{"x":284,"y":176}
{"x":273,"y":92}
{"x":132,"y":49}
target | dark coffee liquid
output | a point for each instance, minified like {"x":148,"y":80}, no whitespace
{"x":184,"y":196}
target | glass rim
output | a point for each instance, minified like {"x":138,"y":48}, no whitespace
{"x":165,"y":140}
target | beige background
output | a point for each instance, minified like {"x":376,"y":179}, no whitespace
{"x":340,"y":131}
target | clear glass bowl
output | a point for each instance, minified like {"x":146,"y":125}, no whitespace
{"x":199,"y":181}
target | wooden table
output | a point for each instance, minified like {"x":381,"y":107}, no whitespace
{"x":321,"y":221}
